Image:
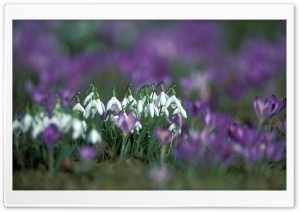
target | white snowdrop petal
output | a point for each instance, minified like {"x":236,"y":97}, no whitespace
{"x":88,"y":98}
{"x":151,"y":110}
{"x":109,"y":104}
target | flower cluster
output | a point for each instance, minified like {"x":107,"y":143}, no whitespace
{"x":222,"y":141}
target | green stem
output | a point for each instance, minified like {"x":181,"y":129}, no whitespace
{"x":162,"y":155}
{"x":123,"y":146}
{"x":51,"y":161}
{"x":259,"y":127}
{"x":270,"y":123}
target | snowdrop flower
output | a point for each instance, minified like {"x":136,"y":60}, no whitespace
{"x":164,"y":110}
{"x":124,"y":102}
{"x":90,"y":109}
{"x":94,"y":137}
{"x":37,"y":128}
{"x":79,"y":127}
{"x":16,"y":125}
{"x":94,"y":106}
{"x":140,"y":105}
{"x":113,"y":102}
{"x":173,"y":128}
{"x":138,"y":127}
{"x":88,"y":98}
{"x":26,"y":123}
{"x":130,"y":99}
{"x":161,"y":100}
{"x":173,"y":101}
{"x":181,"y":111}
{"x":151,"y":109}
{"x":78,"y":106}
{"x":63,"y":122}
{"x":99,"y":105}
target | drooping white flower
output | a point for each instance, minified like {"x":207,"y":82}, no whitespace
{"x":37,"y":128}
{"x":91,"y":109}
{"x":88,"y":98}
{"x":173,"y":128}
{"x":151,"y":109}
{"x":113,"y":103}
{"x":26,"y":123}
{"x":94,"y":137}
{"x":100,"y":107}
{"x":131,"y":101}
{"x":78,"y":107}
{"x":137,"y":128}
{"x":173,"y":101}
{"x":181,"y":111}
{"x":164,"y":110}
{"x":16,"y":125}
{"x":79,"y":127}
{"x":63,"y":122}
{"x":140,"y":106}
{"x":161,"y":100}
{"x":124,"y":102}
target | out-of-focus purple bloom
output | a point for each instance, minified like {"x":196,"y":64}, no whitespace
{"x":163,"y":136}
{"x":275,"y":151}
{"x":282,"y":126}
{"x":188,"y":151}
{"x":51,"y":135}
{"x":260,"y":60}
{"x":87,"y":153}
{"x":222,"y":150}
{"x":198,"y":82}
{"x":126,"y":124}
{"x":268,"y":108}
{"x":197,"y":108}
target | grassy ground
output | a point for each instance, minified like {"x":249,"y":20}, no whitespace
{"x":135,"y":175}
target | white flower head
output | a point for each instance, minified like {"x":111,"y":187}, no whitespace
{"x":114,"y":102}
{"x":173,"y":128}
{"x":137,"y":128}
{"x":16,"y":125}
{"x":151,"y":109}
{"x":173,"y":101}
{"x":140,"y":106}
{"x":26,"y":122}
{"x":91,"y":109}
{"x":162,"y":98}
{"x":181,"y":111}
{"x":79,"y":127}
{"x":124,"y":102}
{"x":78,"y":106}
{"x":88,"y":98}
{"x":94,"y":137}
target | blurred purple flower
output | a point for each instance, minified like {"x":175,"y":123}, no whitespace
{"x":282,"y":126}
{"x":51,"y":135}
{"x":260,"y":60}
{"x":268,"y":108}
{"x":126,"y":123}
{"x":87,"y":153}
{"x":163,"y":136}
{"x":197,"y":108}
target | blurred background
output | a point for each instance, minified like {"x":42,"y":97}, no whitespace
{"x":226,"y":62}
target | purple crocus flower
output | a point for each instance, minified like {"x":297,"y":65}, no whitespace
{"x":163,"y":136}
{"x":126,"y":123}
{"x":51,"y":135}
{"x":268,"y":108}
{"x":197,"y":108}
{"x":87,"y":153}
{"x":275,"y":151}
